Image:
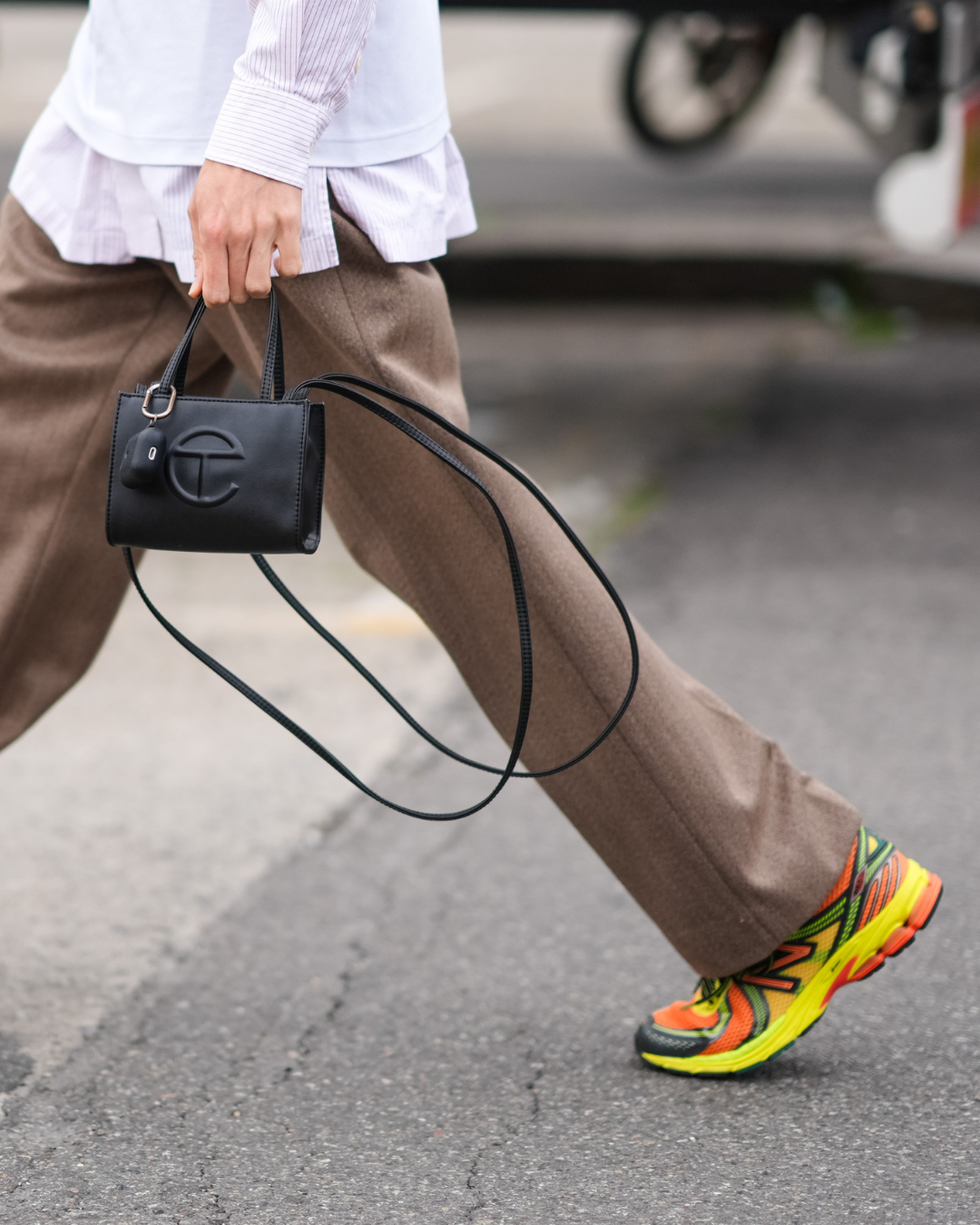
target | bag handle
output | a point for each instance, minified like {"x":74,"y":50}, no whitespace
{"x":273,"y":385}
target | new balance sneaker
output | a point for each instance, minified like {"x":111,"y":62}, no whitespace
{"x":733,"y":1024}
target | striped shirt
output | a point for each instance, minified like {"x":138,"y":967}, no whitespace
{"x":103,"y":174}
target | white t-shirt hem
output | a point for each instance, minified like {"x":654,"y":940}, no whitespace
{"x":388,"y":146}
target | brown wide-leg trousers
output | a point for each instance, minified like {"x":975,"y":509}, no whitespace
{"x":719,"y":838}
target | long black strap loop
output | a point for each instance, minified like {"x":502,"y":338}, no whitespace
{"x":301,"y":734}
{"x":344,"y":385}
{"x":524,"y":636}
{"x":366,"y":673}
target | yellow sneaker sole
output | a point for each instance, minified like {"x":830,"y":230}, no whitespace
{"x":885,"y":936}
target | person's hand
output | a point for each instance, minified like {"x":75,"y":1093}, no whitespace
{"x":238,"y":219}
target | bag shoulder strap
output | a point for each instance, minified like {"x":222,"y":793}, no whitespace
{"x":344,"y":385}
{"x":348,"y":387}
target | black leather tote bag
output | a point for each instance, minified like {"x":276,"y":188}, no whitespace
{"x":213,"y":475}
{"x":246,"y":476}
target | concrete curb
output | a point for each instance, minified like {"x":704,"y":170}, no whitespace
{"x":693,"y":280}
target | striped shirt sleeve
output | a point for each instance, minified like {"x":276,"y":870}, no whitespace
{"x":296,"y":73}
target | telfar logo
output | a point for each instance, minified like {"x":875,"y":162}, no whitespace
{"x":198,"y":474}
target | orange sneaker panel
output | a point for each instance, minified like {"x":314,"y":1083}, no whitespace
{"x":767,"y":984}
{"x":927,"y":900}
{"x":874,"y":896}
{"x":900,"y":869}
{"x":891,"y":884}
{"x":825,"y":942}
{"x":842,"y":883}
{"x":739,"y":1026}
{"x":681,"y":1015}
{"x":883,"y":889}
{"x":888,"y":878}
{"x":791,"y":954}
{"x":785,"y":956}
{"x":805,"y":971}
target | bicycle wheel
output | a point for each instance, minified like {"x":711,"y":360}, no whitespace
{"x":690,"y":76}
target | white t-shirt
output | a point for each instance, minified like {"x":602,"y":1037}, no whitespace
{"x":155,"y":82}
{"x":110,"y":166}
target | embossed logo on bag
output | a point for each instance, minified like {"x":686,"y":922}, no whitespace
{"x":197,"y":474}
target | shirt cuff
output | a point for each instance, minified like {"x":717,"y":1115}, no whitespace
{"x":266,"y":131}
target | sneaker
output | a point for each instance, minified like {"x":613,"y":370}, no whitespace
{"x":733,"y":1024}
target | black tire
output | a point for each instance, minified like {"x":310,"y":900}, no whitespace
{"x":720,"y":68}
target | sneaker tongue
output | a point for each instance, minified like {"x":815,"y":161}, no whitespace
{"x":708,"y":988}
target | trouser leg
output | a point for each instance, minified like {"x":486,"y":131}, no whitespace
{"x":718,"y":837}
{"x":71,"y":336}
{"x":723,"y":843}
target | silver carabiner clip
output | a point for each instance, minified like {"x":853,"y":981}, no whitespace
{"x":155,"y":417}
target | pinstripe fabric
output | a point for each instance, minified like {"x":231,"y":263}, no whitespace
{"x":97,"y":210}
{"x":296,"y":72}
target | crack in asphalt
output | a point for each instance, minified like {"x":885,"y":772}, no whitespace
{"x":219,"y":1215}
{"x":89,"y":1092}
{"x":513,"y":1130}
{"x":346,"y":977}
{"x":471,"y":1181}
{"x":532,"y":1084}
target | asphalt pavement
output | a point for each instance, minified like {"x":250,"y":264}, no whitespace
{"x":401,"y":1021}
{"x":230,"y":992}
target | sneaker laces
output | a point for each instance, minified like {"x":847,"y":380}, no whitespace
{"x":712,"y":988}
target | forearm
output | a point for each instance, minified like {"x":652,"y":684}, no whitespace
{"x":296,"y":72}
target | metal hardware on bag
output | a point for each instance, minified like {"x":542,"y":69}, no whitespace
{"x":243,"y":476}
{"x":155,"y":417}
